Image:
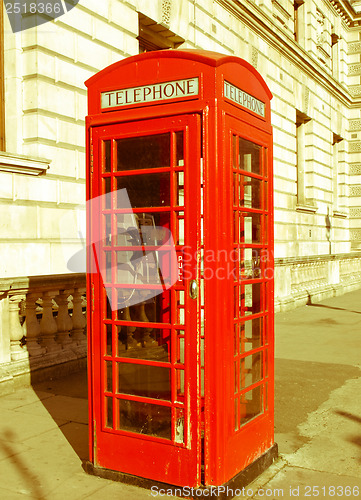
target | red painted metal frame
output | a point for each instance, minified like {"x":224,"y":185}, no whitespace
{"x":226,"y":452}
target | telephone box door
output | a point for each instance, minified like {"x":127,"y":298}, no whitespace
{"x":143,"y":226}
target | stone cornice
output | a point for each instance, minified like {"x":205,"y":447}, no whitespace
{"x":264,"y":26}
{"x":23,"y":164}
{"x":347,"y":12}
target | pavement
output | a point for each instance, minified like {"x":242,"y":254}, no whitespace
{"x":44,"y":434}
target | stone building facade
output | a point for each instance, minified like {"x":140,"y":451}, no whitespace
{"x":309,"y":53}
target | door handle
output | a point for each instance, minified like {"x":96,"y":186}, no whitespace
{"x":193,"y":289}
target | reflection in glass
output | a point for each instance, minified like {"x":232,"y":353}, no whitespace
{"x":251,"y":334}
{"x":108,"y":267}
{"x":144,"y":380}
{"x":146,"y":190}
{"x":145,"y":343}
{"x":180,"y":188}
{"x":179,"y":429}
{"x":249,"y":155}
{"x":149,"y":151}
{"x":251,"y":404}
{"x":145,"y":418}
{"x":250,"y":299}
{"x":249,"y":228}
{"x":250,"y":192}
{"x":107,"y":189}
{"x":108,"y":229}
{"x":251,"y":369}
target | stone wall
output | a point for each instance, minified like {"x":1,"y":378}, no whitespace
{"x":313,"y":77}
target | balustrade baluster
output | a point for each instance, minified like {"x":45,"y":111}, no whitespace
{"x":79,"y":320}
{"x":48,"y":324}
{"x":32,"y":326}
{"x":63,"y":320}
{"x":17,"y":350}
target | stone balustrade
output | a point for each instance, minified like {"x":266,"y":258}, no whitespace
{"x":299,"y":280}
{"x":43,"y":328}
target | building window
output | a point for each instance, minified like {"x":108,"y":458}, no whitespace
{"x":299,"y":21}
{"x":337,"y":184}
{"x":154,"y":36}
{"x":2,"y":86}
{"x":301,"y":124}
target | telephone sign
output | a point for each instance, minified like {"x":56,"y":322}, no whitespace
{"x":181,"y":328}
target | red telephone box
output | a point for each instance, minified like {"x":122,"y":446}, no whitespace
{"x":180,"y":232}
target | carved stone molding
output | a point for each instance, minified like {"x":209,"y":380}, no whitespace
{"x":354,"y":147}
{"x":354,"y":69}
{"x":355,"y":90}
{"x":355,"y":191}
{"x":355,"y":234}
{"x":166,"y":11}
{"x":355,"y":124}
{"x":254,"y":57}
{"x":355,"y":169}
{"x":354,"y":47}
{"x":355,"y":213}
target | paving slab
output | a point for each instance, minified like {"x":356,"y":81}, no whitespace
{"x":60,"y":408}
{"x":297,"y":482}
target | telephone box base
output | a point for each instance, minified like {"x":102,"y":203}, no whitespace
{"x":241,"y":480}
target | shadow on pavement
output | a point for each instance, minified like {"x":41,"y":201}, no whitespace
{"x":69,"y":403}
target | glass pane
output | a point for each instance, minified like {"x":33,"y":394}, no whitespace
{"x":143,"y":380}
{"x":249,"y":228}
{"x":153,"y":310}
{"x":251,"y":404}
{"x":109,"y":412}
{"x":107,"y":189}
{"x":150,"y":151}
{"x":250,"y":158}
{"x":108,"y":300}
{"x":250,"y":299}
{"x":180,"y":188}
{"x":251,"y":369}
{"x":146,"y":190}
{"x":180,"y":228}
{"x":108,"y":267}
{"x":108,"y":229}
{"x":234,"y":150}
{"x":107,"y":156}
{"x":180,"y":385}
{"x":180,"y":151}
{"x":251,"y":334}
{"x":180,"y":350}
{"x":145,"y":418}
{"x":109,"y":369}
{"x":143,"y":343}
{"x":250,"y":192}
{"x":179,"y":430}
{"x":236,"y":414}
{"x":250,"y":267}
{"x":151,"y":228}
{"x":109,"y":339}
